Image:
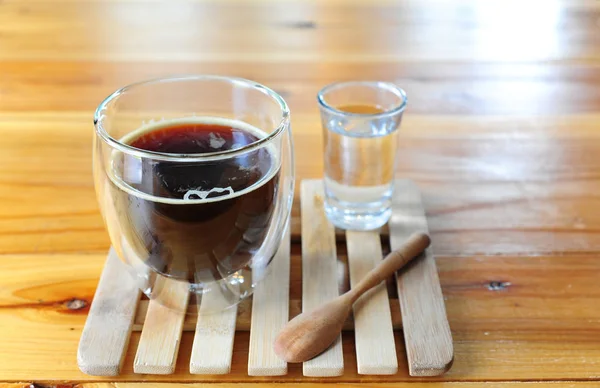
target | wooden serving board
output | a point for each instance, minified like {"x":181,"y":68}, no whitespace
{"x":118,"y":309}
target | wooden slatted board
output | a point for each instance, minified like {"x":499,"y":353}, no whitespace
{"x":427,"y":333}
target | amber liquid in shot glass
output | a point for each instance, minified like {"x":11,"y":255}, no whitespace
{"x":360,"y":141}
{"x":365,"y":163}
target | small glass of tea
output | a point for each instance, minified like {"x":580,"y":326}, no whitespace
{"x":360,"y":125}
{"x":194,"y":176}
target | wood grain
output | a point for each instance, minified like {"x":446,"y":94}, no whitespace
{"x":319,"y":273}
{"x":477,"y":203}
{"x":341,"y":29}
{"x":496,"y":304}
{"x":501,"y":134}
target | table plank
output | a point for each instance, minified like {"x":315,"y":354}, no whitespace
{"x":496,"y":304}
{"x":479,"y":357}
{"x":300,"y":31}
{"x":491,"y":185}
{"x":433,"y":87}
{"x":464,"y":218}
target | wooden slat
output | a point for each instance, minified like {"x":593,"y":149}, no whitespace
{"x":426,"y":331}
{"x":161,"y":336}
{"x":105,"y":336}
{"x":319,"y":272}
{"x":270,"y":312}
{"x":373,"y":332}
{"x":215,"y":334}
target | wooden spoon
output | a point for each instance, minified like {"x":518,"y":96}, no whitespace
{"x":311,"y":333}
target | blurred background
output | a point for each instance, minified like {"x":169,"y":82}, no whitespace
{"x":492,"y":87}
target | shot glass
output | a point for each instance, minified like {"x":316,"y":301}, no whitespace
{"x":360,"y":129}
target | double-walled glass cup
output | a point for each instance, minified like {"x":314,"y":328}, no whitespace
{"x":194,"y":177}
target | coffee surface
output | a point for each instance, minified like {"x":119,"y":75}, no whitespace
{"x":200,"y":220}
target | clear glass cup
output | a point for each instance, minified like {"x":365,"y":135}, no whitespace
{"x":360,"y":125}
{"x":195,"y":222}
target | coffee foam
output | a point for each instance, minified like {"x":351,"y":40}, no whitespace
{"x":133,"y":164}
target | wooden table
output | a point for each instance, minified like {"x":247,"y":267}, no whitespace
{"x":502,"y":134}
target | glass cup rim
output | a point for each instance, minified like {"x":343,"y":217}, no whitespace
{"x":177,"y":157}
{"x":391,"y":87}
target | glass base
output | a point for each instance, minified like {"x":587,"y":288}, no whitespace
{"x":356,"y":220}
{"x":221,"y":294}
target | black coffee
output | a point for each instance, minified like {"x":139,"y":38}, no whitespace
{"x":204,"y":220}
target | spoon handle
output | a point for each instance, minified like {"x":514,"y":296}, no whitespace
{"x":394,"y":261}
